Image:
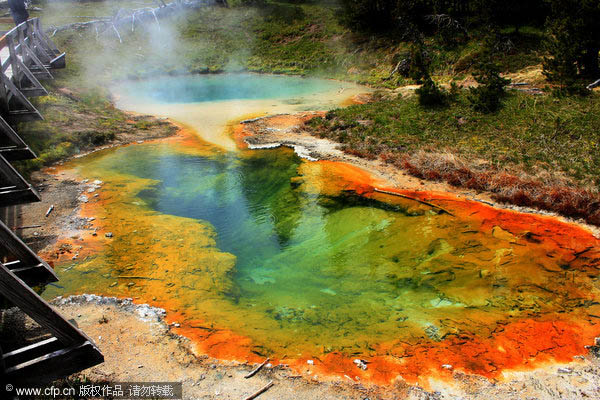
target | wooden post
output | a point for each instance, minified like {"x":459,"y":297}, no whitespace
{"x":22,"y":296}
{"x":14,"y":61}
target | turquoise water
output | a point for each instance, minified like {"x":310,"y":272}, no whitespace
{"x":220,"y":87}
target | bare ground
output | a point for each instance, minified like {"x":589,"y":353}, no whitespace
{"x":159,"y":355}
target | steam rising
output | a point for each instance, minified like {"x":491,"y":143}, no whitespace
{"x":133,"y":39}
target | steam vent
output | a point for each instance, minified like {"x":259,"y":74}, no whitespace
{"x":300,"y":199}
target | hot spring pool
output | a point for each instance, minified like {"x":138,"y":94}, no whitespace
{"x":258,"y":253}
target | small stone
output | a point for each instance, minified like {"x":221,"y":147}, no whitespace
{"x":310,"y":362}
{"x":108,"y":234}
{"x":113,"y":284}
{"x":140,"y":141}
{"x":91,"y":190}
{"x":269,"y":365}
{"x":565,"y":370}
{"x":83,"y":198}
{"x":97,"y":182}
{"x":176,"y":325}
{"x":96,"y":195}
{"x":447,"y":366}
{"x":94,"y":234}
{"x":36,"y":234}
{"x":597,"y":341}
{"x":140,"y":366}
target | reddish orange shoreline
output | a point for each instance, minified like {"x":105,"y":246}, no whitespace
{"x":515,"y":344}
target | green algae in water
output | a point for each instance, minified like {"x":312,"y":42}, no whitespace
{"x":244,"y":242}
{"x":292,"y":269}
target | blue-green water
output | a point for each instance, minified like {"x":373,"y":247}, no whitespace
{"x":210,"y":88}
{"x":257,"y":243}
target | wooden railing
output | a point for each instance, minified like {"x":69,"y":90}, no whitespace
{"x":28,"y":55}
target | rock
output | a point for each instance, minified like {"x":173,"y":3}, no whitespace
{"x":91,"y":190}
{"x":83,"y":198}
{"x":97,"y":182}
{"x":565,"y":370}
{"x":597,"y":341}
{"x":310,"y":362}
{"x":362,"y":364}
{"x":447,"y":366}
{"x":108,"y":234}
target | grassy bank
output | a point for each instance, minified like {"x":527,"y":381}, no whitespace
{"x":77,"y":122}
{"x":533,"y":152}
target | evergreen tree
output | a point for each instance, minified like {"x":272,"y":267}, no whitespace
{"x":487,"y":97}
{"x":573,"y":42}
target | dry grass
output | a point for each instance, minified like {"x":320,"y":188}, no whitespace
{"x":522,"y":190}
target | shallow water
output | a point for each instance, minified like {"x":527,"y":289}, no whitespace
{"x":207,"y":103}
{"x":257,"y":253}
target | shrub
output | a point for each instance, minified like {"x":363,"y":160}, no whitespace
{"x":430,"y":95}
{"x":487,"y":97}
{"x":573,"y":43}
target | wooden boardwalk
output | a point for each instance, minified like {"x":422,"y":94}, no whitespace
{"x":27,"y":56}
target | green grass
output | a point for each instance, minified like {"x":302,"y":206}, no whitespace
{"x":278,"y":37}
{"x":531,"y":133}
{"x":75,"y":125}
